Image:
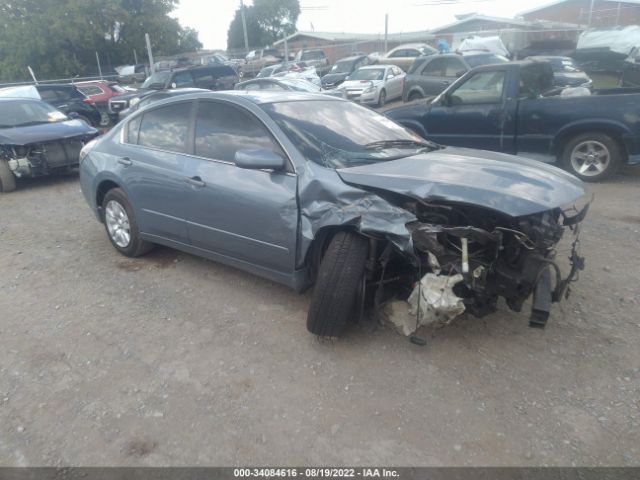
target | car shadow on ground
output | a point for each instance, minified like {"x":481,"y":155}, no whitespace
{"x":60,"y":180}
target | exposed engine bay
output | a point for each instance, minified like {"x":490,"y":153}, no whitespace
{"x":40,"y":159}
{"x":482,"y":255}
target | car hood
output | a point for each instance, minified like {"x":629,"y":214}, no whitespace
{"x":508,"y":184}
{"x":45,"y":132}
{"x":334,"y":77}
{"x":359,"y":83}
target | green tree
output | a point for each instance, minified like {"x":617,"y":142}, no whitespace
{"x":267,"y":21}
{"x":256,"y":35}
{"x":59,"y":38}
{"x":277,"y":17}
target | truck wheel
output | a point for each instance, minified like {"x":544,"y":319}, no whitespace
{"x":7,"y":179}
{"x":339,"y":279}
{"x":121,"y":225}
{"x":592,"y":156}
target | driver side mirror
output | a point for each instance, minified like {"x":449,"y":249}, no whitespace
{"x":259,"y":159}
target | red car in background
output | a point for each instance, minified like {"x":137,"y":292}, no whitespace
{"x":100,"y":91}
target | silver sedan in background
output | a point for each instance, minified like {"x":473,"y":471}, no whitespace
{"x":374,"y":84}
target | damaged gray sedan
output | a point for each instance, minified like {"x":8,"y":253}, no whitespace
{"x":304,"y":189}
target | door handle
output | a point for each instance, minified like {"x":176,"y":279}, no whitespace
{"x":195,"y":181}
{"x":126,"y":161}
{"x":445,"y":83}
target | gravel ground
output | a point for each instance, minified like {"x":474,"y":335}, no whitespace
{"x":174,"y":360}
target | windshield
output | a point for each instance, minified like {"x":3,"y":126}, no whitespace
{"x":368,"y":74}
{"x":476,"y":61}
{"x":337,"y":134}
{"x":22,"y":114}
{"x":342,"y":67}
{"x":300,"y":85}
{"x":157,"y":81}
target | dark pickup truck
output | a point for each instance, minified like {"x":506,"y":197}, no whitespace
{"x":514,"y":108}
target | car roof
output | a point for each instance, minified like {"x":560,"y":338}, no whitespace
{"x":350,"y":59}
{"x":55,"y":85}
{"x":374,"y":67}
{"x":411,"y":45}
{"x":21,"y":99}
{"x":264,"y":97}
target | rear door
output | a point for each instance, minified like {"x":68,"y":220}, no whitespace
{"x":431,"y":77}
{"x":153,"y":169}
{"x":248,"y":215}
{"x":475,"y":114}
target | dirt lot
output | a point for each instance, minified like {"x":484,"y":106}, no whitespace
{"x":172,"y":359}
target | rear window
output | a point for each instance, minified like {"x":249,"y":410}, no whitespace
{"x":91,"y":90}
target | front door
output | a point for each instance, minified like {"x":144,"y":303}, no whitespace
{"x":476,"y":115}
{"x":248,"y":215}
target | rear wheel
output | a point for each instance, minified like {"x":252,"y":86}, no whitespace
{"x":415,"y":96}
{"x":592,"y":157}
{"x":338,"y":285}
{"x":7,"y":179}
{"x":121,"y":225}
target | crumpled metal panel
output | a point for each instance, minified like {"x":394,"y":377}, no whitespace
{"x":512,"y":185}
{"x":329,"y":202}
{"x":432,"y":302}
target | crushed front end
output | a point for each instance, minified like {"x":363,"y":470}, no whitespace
{"x":38,"y":159}
{"x":489,"y":254}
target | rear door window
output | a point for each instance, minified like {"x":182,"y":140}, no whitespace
{"x":435,"y":68}
{"x":166,"y":128}
{"x":453,"y":67}
{"x":223,"y":129}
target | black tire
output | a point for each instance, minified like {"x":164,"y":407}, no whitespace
{"x":7,"y":179}
{"x":339,"y":279}
{"x":136,"y":246}
{"x":415,"y":96}
{"x":382,"y":99}
{"x":605,"y":145}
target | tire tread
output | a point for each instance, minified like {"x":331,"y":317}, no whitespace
{"x":339,"y":277}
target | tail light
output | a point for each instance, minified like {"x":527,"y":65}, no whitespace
{"x":88,"y":101}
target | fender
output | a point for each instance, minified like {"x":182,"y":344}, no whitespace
{"x":603,"y":125}
{"x":414,"y":89}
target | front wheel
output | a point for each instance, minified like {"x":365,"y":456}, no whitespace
{"x":382,"y":99}
{"x":7,"y":179}
{"x":121,"y":225}
{"x":592,"y":157}
{"x":338,"y":284}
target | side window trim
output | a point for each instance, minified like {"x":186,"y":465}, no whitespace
{"x":289,"y":169}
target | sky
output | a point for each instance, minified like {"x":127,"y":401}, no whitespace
{"x":212,"y":17}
